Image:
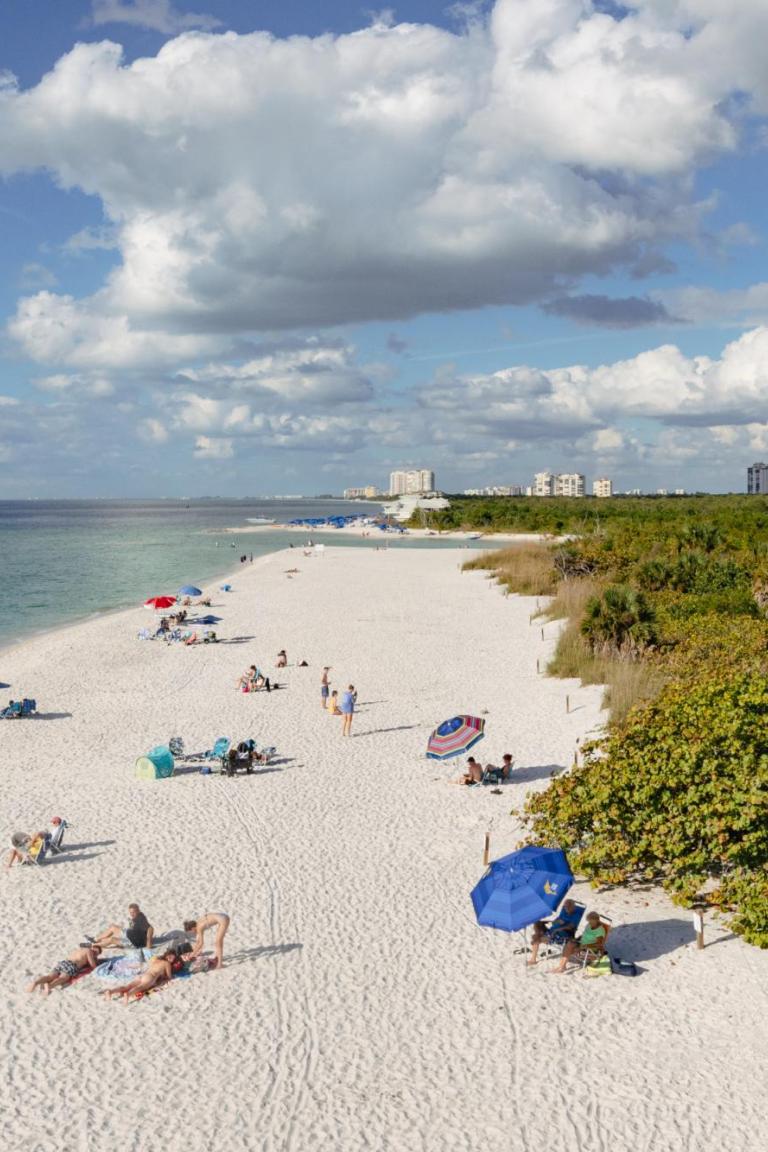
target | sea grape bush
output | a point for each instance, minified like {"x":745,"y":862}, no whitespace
{"x":676,"y":792}
{"x":677,"y":796}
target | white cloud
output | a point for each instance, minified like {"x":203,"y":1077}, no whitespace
{"x":35,"y":275}
{"x":153,"y":431}
{"x":255,"y":183}
{"x":213,"y":448}
{"x":157,"y":15}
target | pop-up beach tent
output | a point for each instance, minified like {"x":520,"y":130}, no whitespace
{"x":156,"y":765}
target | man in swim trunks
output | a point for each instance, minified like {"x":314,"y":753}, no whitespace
{"x":217,"y":920}
{"x":325,"y":690}
{"x":159,"y":968}
{"x":138,"y":932}
{"x":65,"y":971}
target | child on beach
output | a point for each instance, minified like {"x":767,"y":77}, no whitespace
{"x":333,"y":704}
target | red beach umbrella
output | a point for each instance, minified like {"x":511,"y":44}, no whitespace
{"x":160,"y":603}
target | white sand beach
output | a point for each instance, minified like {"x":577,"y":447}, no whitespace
{"x":360,"y":1006}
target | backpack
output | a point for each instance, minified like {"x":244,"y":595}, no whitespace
{"x":621,"y":967}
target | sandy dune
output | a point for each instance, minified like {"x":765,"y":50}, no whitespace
{"x":360,"y":1006}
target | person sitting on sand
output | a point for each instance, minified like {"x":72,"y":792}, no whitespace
{"x":261,"y":681}
{"x":562,"y":925}
{"x":159,"y":968}
{"x":23,"y":843}
{"x":247,"y":679}
{"x":137,"y":933}
{"x":282,"y":659}
{"x":593,"y":937}
{"x":217,"y":920}
{"x":65,"y":971}
{"x":507,"y":764}
{"x":474,"y":773}
{"x":333,"y":704}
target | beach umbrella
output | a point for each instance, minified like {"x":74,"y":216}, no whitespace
{"x":521,"y":888}
{"x":160,"y":603}
{"x":455,"y":736}
{"x":190,"y":590}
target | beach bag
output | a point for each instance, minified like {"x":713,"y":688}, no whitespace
{"x":621,"y":967}
{"x":601,"y":967}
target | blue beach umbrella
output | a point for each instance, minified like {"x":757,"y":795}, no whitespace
{"x":190,"y":590}
{"x":521,"y":888}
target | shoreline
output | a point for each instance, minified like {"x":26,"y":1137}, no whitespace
{"x":355,"y":977}
{"x":374,"y":533}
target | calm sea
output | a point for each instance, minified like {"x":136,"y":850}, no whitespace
{"x":63,"y":561}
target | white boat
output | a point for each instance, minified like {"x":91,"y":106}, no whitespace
{"x":259,"y":520}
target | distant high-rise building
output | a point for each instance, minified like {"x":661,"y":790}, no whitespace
{"x":543,"y":484}
{"x":757,"y":480}
{"x":569,"y":484}
{"x":602,"y":487}
{"x":369,"y":492}
{"x":411,"y":483}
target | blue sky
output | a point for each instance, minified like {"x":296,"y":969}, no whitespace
{"x":290,"y":247}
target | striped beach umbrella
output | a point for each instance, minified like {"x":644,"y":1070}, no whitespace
{"x":455,"y":736}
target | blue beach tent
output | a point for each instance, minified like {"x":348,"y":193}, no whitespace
{"x":521,"y":888}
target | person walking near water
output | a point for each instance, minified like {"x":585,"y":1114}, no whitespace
{"x":348,"y":709}
{"x":324,"y":688}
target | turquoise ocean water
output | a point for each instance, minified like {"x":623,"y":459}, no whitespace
{"x":63,"y":561}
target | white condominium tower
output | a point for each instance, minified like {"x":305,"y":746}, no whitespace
{"x":757,"y":479}
{"x":543,"y":484}
{"x":602,"y":487}
{"x":411,"y":483}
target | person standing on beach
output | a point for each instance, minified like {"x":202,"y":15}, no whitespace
{"x":217,"y":920}
{"x":348,"y":709}
{"x":324,"y":688}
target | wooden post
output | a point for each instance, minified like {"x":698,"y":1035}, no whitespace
{"x":538,"y":669}
{"x":576,"y":757}
{"x":698,"y":924}
{"x":542,"y":633}
{"x":487,"y":850}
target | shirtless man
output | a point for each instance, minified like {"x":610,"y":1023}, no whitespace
{"x":65,"y":971}
{"x":159,"y":968}
{"x":217,"y":920}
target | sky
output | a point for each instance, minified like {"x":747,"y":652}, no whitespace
{"x":266,"y":246}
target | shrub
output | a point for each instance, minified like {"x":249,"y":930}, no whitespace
{"x":620,"y":621}
{"x":677,"y":795}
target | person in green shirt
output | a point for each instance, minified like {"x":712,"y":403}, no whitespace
{"x":592,"y":937}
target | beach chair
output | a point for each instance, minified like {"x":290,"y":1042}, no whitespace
{"x":13,"y":711}
{"x":145,"y":634}
{"x":219,"y":750}
{"x":28,"y":707}
{"x":56,"y":842}
{"x":595,"y":951}
{"x":557,"y":939}
{"x":34,"y":853}
{"x":264,"y":756}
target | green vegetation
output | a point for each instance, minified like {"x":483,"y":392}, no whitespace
{"x":665,"y":602}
